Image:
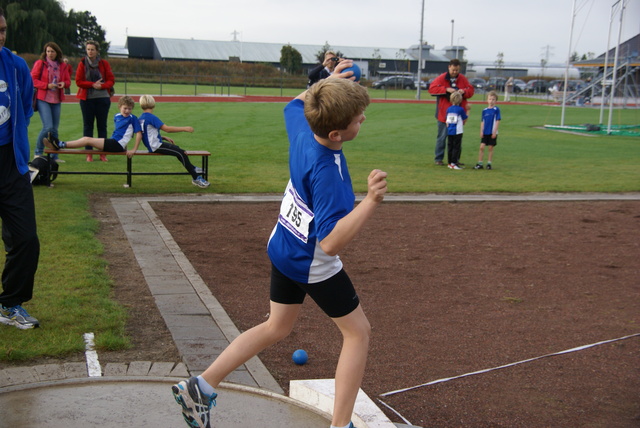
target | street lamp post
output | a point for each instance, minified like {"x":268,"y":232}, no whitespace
{"x":420,"y":52}
{"x":458,"y":45}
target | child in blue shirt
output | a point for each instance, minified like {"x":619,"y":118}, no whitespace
{"x":151,"y":126}
{"x":317,"y":220}
{"x":456,"y":117}
{"x":126,"y":125}
{"x":489,"y":129}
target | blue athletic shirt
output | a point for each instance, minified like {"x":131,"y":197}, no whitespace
{"x":125,"y":127}
{"x":455,"y":120}
{"x":489,"y":117}
{"x":319,"y":194}
{"x":151,"y":124}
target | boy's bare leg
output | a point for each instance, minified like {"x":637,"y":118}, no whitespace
{"x":481,"y":153}
{"x":97,"y":143}
{"x":490,"y":154}
{"x":355,"y":330}
{"x":280,"y":323}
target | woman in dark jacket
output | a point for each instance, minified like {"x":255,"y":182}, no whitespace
{"x":95,"y":81}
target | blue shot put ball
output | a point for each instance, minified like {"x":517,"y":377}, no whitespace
{"x":300,"y":357}
{"x":356,"y":71}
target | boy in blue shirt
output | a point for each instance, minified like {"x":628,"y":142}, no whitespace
{"x":17,"y":207}
{"x":126,"y":125}
{"x":456,"y":117}
{"x":151,"y":126}
{"x":317,"y":220}
{"x":489,"y":129}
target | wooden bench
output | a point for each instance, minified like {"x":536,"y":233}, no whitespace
{"x":129,"y":172}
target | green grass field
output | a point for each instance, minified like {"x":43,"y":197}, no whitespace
{"x":249,"y":147}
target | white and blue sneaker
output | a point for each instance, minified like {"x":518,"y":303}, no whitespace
{"x":200,"y":182}
{"x":18,"y":317}
{"x":196,"y":405}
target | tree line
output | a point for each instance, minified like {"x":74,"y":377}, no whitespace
{"x":32,"y":23}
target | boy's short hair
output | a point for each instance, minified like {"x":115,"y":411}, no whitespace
{"x":147,"y":102}
{"x":492,"y":94}
{"x":332,"y":104}
{"x":456,"y":98}
{"x":126,"y":101}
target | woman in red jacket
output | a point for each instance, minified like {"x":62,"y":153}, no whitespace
{"x":95,"y":81}
{"x":50,"y":78}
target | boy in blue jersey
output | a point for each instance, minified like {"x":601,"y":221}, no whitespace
{"x":456,"y":118}
{"x":489,"y":129}
{"x":151,"y":126}
{"x":126,"y":125}
{"x":317,"y":220}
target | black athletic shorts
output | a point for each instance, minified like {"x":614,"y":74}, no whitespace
{"x":111,"y":145}
{"x":488,"y":141}
{"x":336,"y":296}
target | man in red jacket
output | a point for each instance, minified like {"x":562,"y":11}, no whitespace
{"x":442,"y":87}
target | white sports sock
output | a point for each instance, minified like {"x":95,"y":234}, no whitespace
{"x":346,"y":426}
{"x":205,"y":388}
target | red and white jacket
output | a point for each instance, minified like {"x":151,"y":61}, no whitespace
{"x":439,"y":88}
{"x":40,"y":77}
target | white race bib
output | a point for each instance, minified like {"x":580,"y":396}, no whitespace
{"x":294,"y":215}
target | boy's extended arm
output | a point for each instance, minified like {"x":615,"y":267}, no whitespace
{"x":170,"y":129}
{"x":347,"y":227}
{"x":133,"y":151}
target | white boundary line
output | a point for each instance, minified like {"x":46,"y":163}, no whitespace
{"x":579,"y":348}
{"x":93,"y":365}
{"x":394,"y":411}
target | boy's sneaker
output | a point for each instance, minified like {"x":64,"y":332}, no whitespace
{"x":478,"y":166}
{"x":198,"y":170}
{"x":18,"y":317}
{"x":489,"y":166}
{"x":454,"y":166}
{"x":200,"y":182}
{"x":51,"y":142}
{"x":196,"y":405}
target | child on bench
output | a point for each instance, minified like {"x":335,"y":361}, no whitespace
{"x":151,"y":126}
{"x":126,"y":125}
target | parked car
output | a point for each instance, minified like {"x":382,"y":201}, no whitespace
{"x":518,"y":86}
{"x":495,"y":84}
{"x":395,"y":82}
{"x":423,"y":84}
{"x":555,"y":84}
{"x":536,"y":86}
{"x":478,"y":83}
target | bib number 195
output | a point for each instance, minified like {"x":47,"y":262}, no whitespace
{"x":295,"y":216}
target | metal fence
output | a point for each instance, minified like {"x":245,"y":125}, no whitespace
{"x":171,"y":84}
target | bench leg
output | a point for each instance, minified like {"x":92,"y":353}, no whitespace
{"x":205,"y":167}
{"x":129,"y":162}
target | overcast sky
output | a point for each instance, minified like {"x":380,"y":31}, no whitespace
{"x":522,"y":30}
